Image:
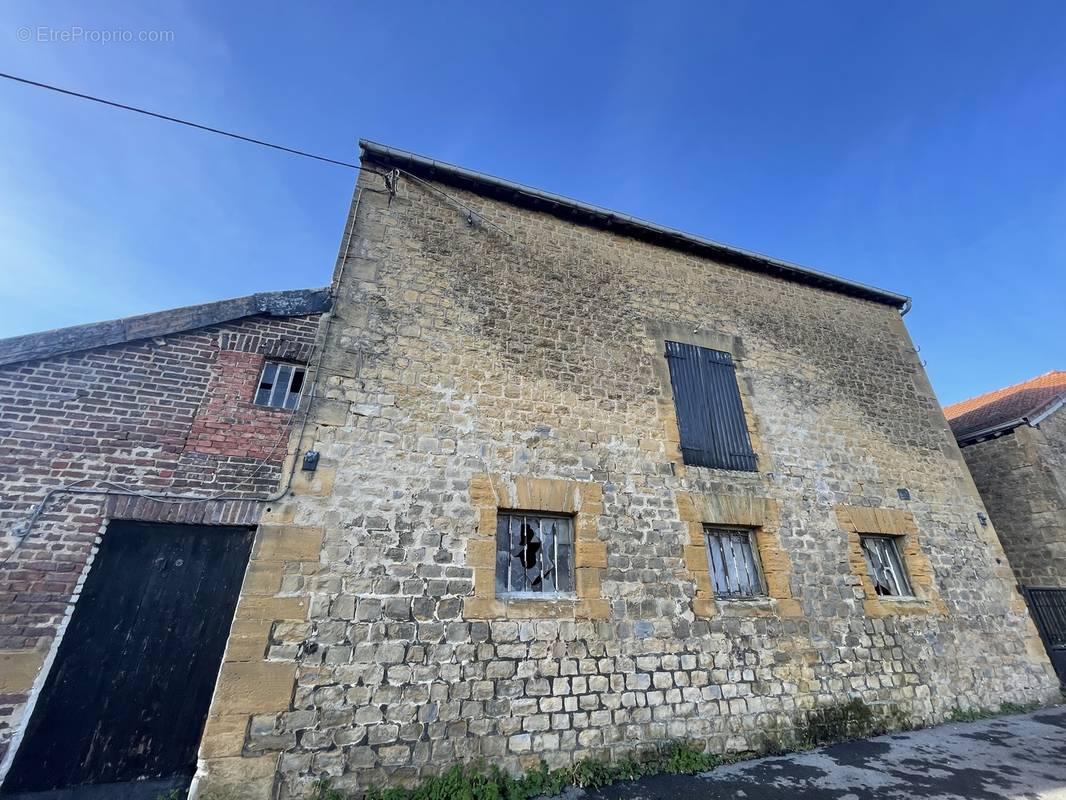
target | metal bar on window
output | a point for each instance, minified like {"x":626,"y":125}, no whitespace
{"x":734,"y":565}
{"x":714,"y":544}
{"x":749,"y":565}
{"x":537,"y":542}
{"x":547,"y":549}
{"x":885,"y":566}
{"x":513,"y":545}
{"x":534,"y":554}
{"x":565,"y":579}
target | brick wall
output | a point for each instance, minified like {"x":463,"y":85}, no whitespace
{"x":167,"y":414}
{"x":470,"y":369}
{"x":1022,"y":480}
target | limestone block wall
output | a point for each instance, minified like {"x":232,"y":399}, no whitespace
{"x":484,"y":370}
{"x":1022,"y":480}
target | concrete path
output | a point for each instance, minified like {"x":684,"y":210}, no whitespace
{"x":1021,"y":756}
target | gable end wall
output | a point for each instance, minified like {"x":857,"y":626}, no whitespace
{"x":458,"y":352}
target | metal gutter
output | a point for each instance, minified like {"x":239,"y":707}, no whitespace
{"x":1003,"y":427}
{"x":1032,"y":419}
{"x":615,"y":220}
{"x":1050,"y":409}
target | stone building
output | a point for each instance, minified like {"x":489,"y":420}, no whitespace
{"x":516,"y":552}
{"x":577,"y":485}
{"x":1014,"y":442}
{"x":97,"y":423}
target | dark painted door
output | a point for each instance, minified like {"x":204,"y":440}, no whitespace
{"x":123,"y":708}
{"x":1048,"y":606}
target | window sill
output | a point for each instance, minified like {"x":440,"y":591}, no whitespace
{"x":761,"y":600}
{"x":729,"y":470}
{"x":746,"y":607}
{"x":882,"y":606}
{"x":545,"y":597}
{"x":275,"y":408}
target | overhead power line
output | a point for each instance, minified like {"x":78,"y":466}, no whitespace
{"x":177,"y":120}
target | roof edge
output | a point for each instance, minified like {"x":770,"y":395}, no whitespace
{"x":59,"y":341}
{"x":600,"y":217}
{"x":1032,"y":419}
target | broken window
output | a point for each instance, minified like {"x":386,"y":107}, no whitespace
{"x":280,"y":385}
{"x":534,"y":553}
{"x":885,"y":566}
{"x":733,"y":564}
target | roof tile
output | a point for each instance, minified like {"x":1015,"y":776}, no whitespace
{"x":1005,"y":405}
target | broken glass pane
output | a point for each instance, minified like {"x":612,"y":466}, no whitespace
{"x":533,"y":553}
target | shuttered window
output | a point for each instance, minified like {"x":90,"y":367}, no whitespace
{"x":710,"y":416}
{"x":734,"y":566}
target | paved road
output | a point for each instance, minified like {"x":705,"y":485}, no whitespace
{"x":1021,"y":756}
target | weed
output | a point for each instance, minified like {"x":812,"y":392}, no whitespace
{"x":836,"y":723}
{"x":323,"y":791}
{"x":213,"y":794}
{"x":216,"y":794}
{"x":684,"y":759}
{"x":1018,"y":708}
{"x":973,"y":714}
{"x":480,"y":782}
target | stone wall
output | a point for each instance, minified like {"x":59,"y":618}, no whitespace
{"x":158,"y":414}
{"x":486,"y":370}
{"x":1022,"y":480}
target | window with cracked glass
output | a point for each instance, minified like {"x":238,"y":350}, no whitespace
{"x":534,"y":554}
{"x":885,"y":566}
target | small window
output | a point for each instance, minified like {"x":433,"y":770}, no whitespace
{"x":885,"y":566}
{"x":710,"y":414}
{"x":733,"y":563}
{"x":280,"y":385}
{"x":534,"y":554}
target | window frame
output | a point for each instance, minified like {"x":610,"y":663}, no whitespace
{"x":504,"y":569}
{"x":896,"y":565}
{"x":759,"y":591}
{"x":295,"y":369}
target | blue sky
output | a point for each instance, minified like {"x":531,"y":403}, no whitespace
{"x":917,"y":146}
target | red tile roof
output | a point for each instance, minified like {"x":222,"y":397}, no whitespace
{"x":1004,"y":406}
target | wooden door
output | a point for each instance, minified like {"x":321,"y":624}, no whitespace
{"x":121,"y":713}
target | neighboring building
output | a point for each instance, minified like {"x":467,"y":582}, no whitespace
{"x":1014,"y":442}
{"x":585,"y":485}
{"x":169,"y":402}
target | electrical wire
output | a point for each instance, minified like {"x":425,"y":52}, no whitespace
{"x":109,"y":487}
{"x":176,"y":120}
{"x":473,"y":215}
